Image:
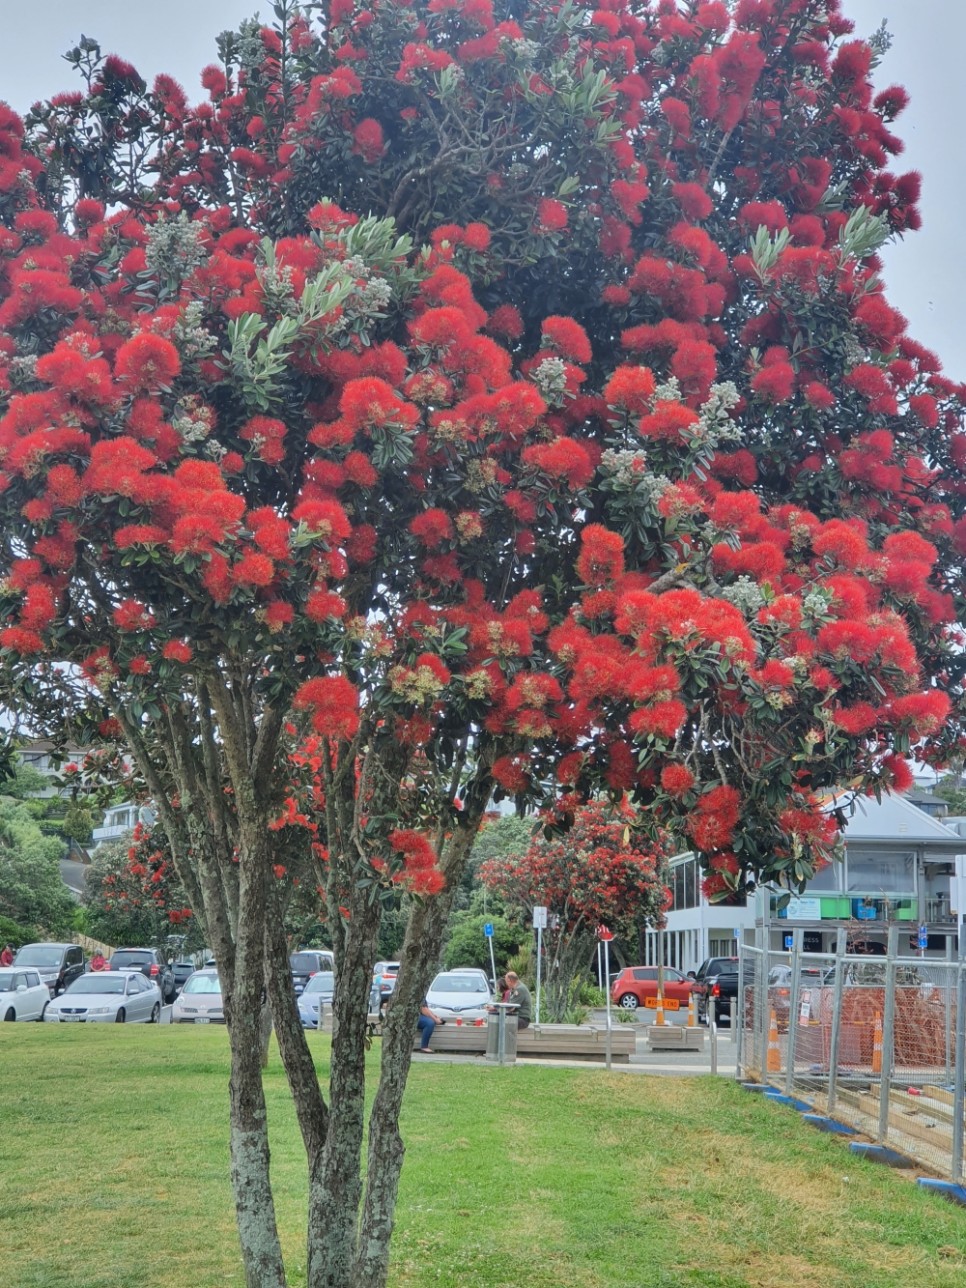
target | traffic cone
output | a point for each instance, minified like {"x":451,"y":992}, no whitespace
{"x":692,"y":1016}
{"x":877,"y":1045}
{"x":774,"y":1050}
{"x":659,"y":1017}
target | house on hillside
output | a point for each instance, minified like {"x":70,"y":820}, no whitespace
{"x":900,"y":866}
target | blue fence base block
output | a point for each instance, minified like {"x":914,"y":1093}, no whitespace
{"x":821,"y":1123}
{"x":801,"y":1105}
{"x":881,"y":1154}
{"x":948,"y":1189}
{"x":756,"y":1086}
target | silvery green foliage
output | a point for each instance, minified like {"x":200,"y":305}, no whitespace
{"x":550,"y":377}
{"x":174,"y":249}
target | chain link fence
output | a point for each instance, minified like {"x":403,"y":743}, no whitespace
{"x":873,"y":1042}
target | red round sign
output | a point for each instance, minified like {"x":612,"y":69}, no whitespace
{"x":605,"y":934}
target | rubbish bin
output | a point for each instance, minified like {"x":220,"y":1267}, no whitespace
{"x":501,"y":1019}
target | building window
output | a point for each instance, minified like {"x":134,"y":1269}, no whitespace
{"x":881,"y":873}
{"x":718,"y":947}
{"x":684,"y":884}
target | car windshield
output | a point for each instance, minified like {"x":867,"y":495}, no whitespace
{"x":98,"y":984}
{"x":39,"y":955}
{"x":202,"y":984}
{"x":302,"y":963}
{"x":323,"y":982}
{"x":386,"y":968}
{"x":6,"y":980}
{"x":120,"y":960}
{"x":458,"y":984}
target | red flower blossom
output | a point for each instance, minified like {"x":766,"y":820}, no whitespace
{"x":367,"y":140}
{"x":668,"y":420}
{"x":433,"y":528}
{"x":677,"y":780}
{"x":551,"y":215}
{"x":177,"y":651}
{"x":334,"y":705}
{"x":147,"y":362}
{"x":563,"y":459}
{"x":601,"y":558}
{"x":510,"y":772}
{"x":630,"y":388}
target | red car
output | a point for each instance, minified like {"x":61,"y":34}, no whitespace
{"x":635,"y":983}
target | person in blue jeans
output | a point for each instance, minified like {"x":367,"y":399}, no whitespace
{"x":426,"y":1024}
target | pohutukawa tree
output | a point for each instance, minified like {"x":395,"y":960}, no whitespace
{"x":504,"y":394}
{"x":590,"y":876}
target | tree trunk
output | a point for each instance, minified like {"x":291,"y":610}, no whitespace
{"x":334,"y":1201}
{"x":251,"y":1185}
{"x":310,"y":1107}
{"x":424,"y":938}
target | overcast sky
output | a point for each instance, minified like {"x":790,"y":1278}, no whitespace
{"x":925,"y":274}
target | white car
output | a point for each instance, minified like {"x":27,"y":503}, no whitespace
{"x":108,"y":997}
{"x":23,"y":994}
{"x":462,"y":994}
{"x":200,"y":1001}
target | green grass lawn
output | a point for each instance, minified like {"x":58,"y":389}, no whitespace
{"x":113,"y":1143}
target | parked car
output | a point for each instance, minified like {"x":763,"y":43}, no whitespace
{"x":308,"y":962}
{"x":318,"y":992}
{"x":150,"y":963}
{"x":200,"y":1001}
{"x":57,"y":964}
{"x":182,"y":970}
{"x":780,"y":988}
{"x":23,"y":994}
{"x":384,"y":979}
{"x":717,"y":980}
{"x":462,"y":994}
{"x":635,"y":983}
{"x":108,"y":997}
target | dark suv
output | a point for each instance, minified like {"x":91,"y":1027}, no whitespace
{"x":308,"y":962}
{"x":150,"y":963}
{"x":57,"y":964}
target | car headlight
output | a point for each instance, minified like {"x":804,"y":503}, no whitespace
{"x":187,"y":1010}
{"x":100,"y":1010}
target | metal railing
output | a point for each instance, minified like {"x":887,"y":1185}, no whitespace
{"x":875,"y":1042}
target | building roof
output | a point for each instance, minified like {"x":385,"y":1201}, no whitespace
{"x":891,"y":821}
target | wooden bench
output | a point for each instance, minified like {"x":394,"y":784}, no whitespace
{"x":577,"y":1042}
{"x":559,"y":1041}
{"x":554,"y":1041}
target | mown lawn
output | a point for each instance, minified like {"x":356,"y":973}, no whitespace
{"x":113,"y":1147}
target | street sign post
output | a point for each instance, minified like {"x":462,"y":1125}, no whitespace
{"x":539,"y":925}
{"x":604,"y":936}
{"x":488,"y":931}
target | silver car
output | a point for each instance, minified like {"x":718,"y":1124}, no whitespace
{"x":460,"y":995}
{"x":107,"y":997}
{"x":317,"y":993}
{"x":200,"y":1001}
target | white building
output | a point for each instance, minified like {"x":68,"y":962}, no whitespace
{"x":899,"y":865}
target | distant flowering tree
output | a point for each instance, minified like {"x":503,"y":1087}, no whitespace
{"x":504,"y":396}
{"x":598,"y":874}
{"x":132,"y":895}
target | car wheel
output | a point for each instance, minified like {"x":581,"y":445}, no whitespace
{"x":11,"y":1014}
{"x":627,"y":1002}
{"x":155,"y":1014}
{"x":43,"y":1012}
{"x":120,"y":1017}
